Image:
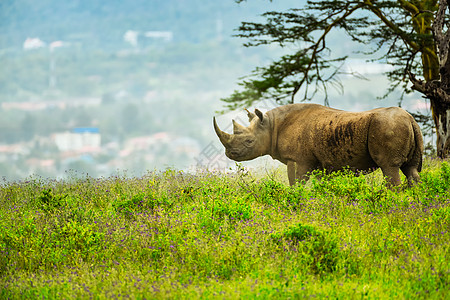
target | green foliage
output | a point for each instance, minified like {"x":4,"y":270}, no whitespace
{"x":298,"y":233}
{"x":140,"y":202}
{"x":437,"y":181}
{"x":345,"y":185}
{"x":319,"y":250}
{"x":271,"y":192}
{"x":75,"y":239}
{"x":307,"y":29}
{"x":274,"y":193}
{"x":212,"y":235}
{"x":48,"y":201}
{"x":442,"y":215}
{"x":235,"y":209}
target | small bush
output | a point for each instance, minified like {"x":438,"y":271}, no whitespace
{"x":436,"y":181}
{"x":49,"y":201}
{"x":319,"y":250}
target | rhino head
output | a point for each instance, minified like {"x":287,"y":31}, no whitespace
{"x":247,"y":143}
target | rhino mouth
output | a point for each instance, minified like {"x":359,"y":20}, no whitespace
{"x":233,"y":154}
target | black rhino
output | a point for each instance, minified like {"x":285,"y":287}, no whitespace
{"x":306,"y":137}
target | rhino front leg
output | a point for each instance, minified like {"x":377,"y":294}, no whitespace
{"x":291,"y":172}
{"x":297,"y":172}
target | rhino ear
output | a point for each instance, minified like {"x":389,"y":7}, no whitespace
{"x":250,"y":115}
{"x":259,"y":114}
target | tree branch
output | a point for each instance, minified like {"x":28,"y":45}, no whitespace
{"x":418,"y":84}
{"x":409,"y":7}
{"x":402,"y":28}
{"x":321,"y":40}
{"x":430,"y":89}
{"x":403,"y":35}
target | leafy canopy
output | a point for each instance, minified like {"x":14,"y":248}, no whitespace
{"x":396,"y":32}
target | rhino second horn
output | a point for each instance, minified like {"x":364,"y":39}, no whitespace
{"x":223,"y":136}
{"x":237,"y":128}
{"x":250,"y":115}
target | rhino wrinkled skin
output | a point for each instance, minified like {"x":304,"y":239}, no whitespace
{"x":306,"y":137}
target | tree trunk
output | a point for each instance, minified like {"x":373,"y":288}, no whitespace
{"x":440,"y":107}
{"x":438,"y":91}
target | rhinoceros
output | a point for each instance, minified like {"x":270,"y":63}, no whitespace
{"x":307,"y":137}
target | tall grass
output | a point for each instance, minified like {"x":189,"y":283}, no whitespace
{"x":210,"y":235}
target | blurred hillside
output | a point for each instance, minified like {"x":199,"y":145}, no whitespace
{"x":101,"y":24}
{"x":99,"y":87}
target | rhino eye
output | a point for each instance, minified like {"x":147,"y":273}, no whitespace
{"x":249,"y":142}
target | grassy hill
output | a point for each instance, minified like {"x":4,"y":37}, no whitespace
{"x":210,"y":235}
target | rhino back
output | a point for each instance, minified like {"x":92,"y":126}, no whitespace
{"x":326,"y":137}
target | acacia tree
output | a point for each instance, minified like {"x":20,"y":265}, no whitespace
{"x":412,"y":36}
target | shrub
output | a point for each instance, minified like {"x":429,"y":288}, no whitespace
{"x":318,"y":250}
{"x":49,"y":201}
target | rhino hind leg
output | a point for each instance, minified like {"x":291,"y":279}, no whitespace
{"x":394,"y":145}
{"x":411,"y":173}
{"x":392,"y":174}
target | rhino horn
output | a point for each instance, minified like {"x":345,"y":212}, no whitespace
{"x":223,"y":136}
{"x":237,"y":128}
{"x":250,"y":115}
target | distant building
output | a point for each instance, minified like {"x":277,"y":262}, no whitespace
{"x":60,"y":104}
{"x":36,"y":164}
{"x":132,"y":36}
{"x":57,"y":44}
{"x":84,"y":139}
{"x":165,"y":35}
{"x":33,"y":43}
{"x":13,"y":151}
{"x":145,"y":143}
{"x":362,"y":67}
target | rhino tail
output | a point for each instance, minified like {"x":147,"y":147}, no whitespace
{"x":418,"y":149}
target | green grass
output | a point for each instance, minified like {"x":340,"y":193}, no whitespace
{"x":210,"y":235}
